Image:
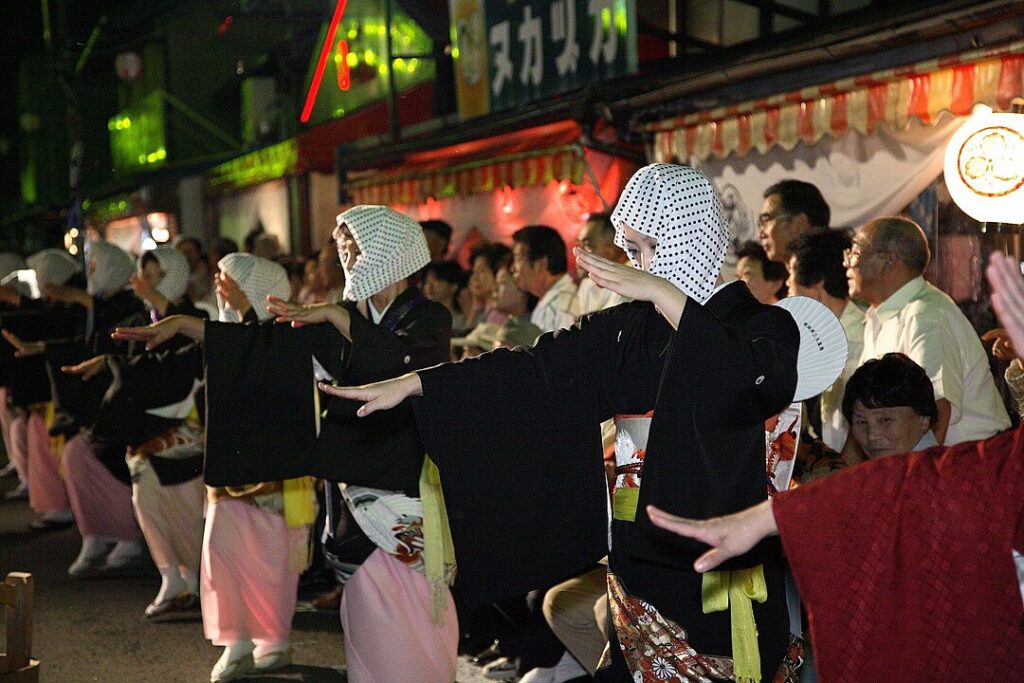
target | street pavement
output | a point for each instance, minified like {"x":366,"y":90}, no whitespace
{"x":94,"y":630}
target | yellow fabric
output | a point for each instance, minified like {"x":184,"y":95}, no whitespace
{"x":438,"y":549}
{"x":299,"y":502}
{"x":56,"y":442}
{"x":624,"y":504}
{"x":734,"y":590}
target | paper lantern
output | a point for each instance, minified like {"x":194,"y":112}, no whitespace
{"x":984,"y":168}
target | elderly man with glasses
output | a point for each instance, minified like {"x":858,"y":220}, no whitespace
{"x":910,"y":316}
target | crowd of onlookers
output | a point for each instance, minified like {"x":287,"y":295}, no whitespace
{"x":917,"y":375}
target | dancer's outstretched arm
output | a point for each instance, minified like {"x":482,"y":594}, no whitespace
{"x":159,"y":332}
{"x":728,"y":536}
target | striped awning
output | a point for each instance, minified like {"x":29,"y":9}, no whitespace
{"x":527,"y":157}
{"x":884,"y":98}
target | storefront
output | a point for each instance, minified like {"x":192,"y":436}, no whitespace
{"x":873,"y":144}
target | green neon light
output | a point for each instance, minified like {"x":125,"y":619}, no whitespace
{"x":138,"y":136}
{"x":269,"y":163}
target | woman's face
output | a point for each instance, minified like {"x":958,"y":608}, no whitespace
{"x":751,"y":271}
{"x":152,"y":273}
{"x":481,"y":279}
{"x":436,"y":289}
{"x":640,"y":247}
{"x":508,"y":298}
{"x":887,"y":431}
{"x":348,"y":250}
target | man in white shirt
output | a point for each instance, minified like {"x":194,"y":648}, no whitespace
{"x":597,"y":236}
{"x":908,"y":315}
{"x":539,"y":267}
{"x":816,"y":270}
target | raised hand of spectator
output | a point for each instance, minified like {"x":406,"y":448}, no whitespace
{"x":728,"y":536}
{"x":379,"y":395}
{"x":87,"y":369}
{"x":1002,"y":348}
{"x":22,"y":348}
{"x":1008,"y":296}
{"x":231,"y":293}
{"x":156,"y":334}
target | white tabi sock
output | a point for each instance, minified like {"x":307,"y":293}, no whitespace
{"x":124,"y":552}
{"x":171,"y":585}
{"x":191,"y":580}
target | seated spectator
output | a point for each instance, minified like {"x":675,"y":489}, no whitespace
{"x":441,"y":283}
{"x":885,"y":268}
{"x":218,"y":250}
{"x":539,"y":267}
{"x":485,"y":261}
{"x":311,"y":291}
{"x":516,"y":332}
{"x":791,"y":208}
{"x":439,"y":237}
{"x":890,"y":406}
{"x":765,"y":279}
{"x":330,"y":274}
{"x":816,"y":270}
{"x":509,"y":300}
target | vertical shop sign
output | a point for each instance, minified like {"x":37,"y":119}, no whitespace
{"x":512,"y":52}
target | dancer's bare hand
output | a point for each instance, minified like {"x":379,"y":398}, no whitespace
{"x":309,"y":314}
{"x":621,"y":278}
{"x":729,"y":536}
{"x":379,"y":395}
{"x":1008,"y":295}
{"x":159,"y":332}
{"x":22,"y":348}
{"x":87,"y":369}
{"x":232,"y":294}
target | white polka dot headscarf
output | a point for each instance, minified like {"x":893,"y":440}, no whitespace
{"x":392,"y":248}
{"x":176,"y":271}
{"x":53,"y":266}
{"x":678,"y":207}
{"x":113,"y":268}
{"x":256,"y":277}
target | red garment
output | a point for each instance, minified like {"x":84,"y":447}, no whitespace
{"x":905,"y":564}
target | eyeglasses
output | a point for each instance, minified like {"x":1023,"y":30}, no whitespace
{"x":853,"y":255}
{"x":766,"y":218}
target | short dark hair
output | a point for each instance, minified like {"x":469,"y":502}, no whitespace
{"x":449,"y":271}
{"x":770,"y":270}
{"x":543,"y":241}
{"x":496,"y":254}
{"x":438,"y":227}
{"x":193,"y":240}
{"x":224,"y":246}
{"x":604,"y":219}
{"x":819,"y":258}
{"x":889,"y":382}
{"x":798,"y":197}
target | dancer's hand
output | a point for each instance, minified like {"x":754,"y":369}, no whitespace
{"x":379,"y":395}
{"x":87,"y":369}
{"x":1008,"y":295}
{"x":156,"y":334}
{"x":22,"y":348}
{"x":1002,"y":348}
{"x":621,"y":278}
{"x":299,"y":314}
{"x":67,"y":295}
{"x":729,"y":536}
{"x":634,"y":283}
{"x":232,"y":294}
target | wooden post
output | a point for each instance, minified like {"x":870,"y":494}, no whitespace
{"x":17,"y":664}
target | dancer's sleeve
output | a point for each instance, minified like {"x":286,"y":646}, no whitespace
{"x":911,"y":553}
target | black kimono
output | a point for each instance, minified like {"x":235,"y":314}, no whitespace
{"x":262,"y":398}
{"x":515,"y":435}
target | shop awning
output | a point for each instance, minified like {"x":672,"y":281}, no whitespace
{"x":885,"y":98}
{"x":533,"y":156}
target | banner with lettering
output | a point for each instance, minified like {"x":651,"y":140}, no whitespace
{"x":512,"y":52}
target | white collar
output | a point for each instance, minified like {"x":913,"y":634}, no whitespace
{"x":374,"y":315}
